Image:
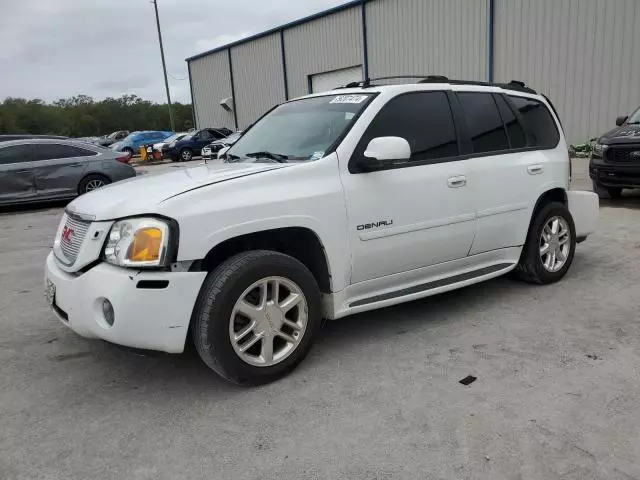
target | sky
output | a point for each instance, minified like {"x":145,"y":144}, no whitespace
{"x":51,"y":49}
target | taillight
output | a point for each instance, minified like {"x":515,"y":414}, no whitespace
{"x":124,"y":159}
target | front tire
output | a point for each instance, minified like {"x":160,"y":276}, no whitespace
{"x":550,"y":246}
{"x":186,"y":154}
{"x":256,"y":317}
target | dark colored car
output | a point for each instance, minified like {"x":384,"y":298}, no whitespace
{"x":191,"y":144}
{"x":615,"y":159}
{"x":7,"y":138}
{"x":211,"y":151}
{"x":112,"y":138}
{"x":52,"y":169}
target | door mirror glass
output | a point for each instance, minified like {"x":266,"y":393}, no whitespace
{"x":383,"y":150}
{"x":620,"y":120}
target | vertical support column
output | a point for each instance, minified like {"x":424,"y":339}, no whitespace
{"x":490,"y":29}
{"x":233,"y":90}
{"x":284,"y":66}
{"x":365,"y":48}
{"x":193,"y":100}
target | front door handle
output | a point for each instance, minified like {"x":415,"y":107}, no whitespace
{"x":457,"y":182}
{"x":535,"y":169}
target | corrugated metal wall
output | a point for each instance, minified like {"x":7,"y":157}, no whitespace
{"x":328,"y":43}
{"x":211,"y":82}
{"x":582,"y":53}
{"x":258,"y":77}
{"x":439,"y":37}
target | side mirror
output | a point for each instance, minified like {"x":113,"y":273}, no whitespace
{"x":620,"y":120}
{"x":382,"y":151}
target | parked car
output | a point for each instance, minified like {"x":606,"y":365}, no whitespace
{"x":163,"y":146}
{"x":191,"y":144}
{"x":331,"y":204}
{"x":132,"y":143}
{"x":50,"y":169}
{"x":7,"y":138}
{"x":615,"y":158}
{"x":211,"y":150}
{"x":112,"y":138}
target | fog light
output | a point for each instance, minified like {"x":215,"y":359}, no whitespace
{"x":107,"y":311}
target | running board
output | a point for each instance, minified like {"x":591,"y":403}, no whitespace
{"x":443,"y":282}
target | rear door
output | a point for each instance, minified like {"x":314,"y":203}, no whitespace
{"x":17,"y":179}
{"x":507,"y":172}
{"x":59,"y":168}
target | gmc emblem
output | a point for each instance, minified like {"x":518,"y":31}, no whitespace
{"x":67,"y":233}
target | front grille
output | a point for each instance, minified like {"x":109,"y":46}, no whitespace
{"x":624,"y":154}
{"x":70,"y":243}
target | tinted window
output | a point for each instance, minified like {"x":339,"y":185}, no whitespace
{"x":48,"y":151}
{"x":205,"y":135}
{"x":424,"y":119}
{"x":538,"y":122}
{"x":517,"y":138}
{"x":483,"y":122}
{"x":16,"y":154}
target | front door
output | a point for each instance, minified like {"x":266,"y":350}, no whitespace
{"x":418,"y":213}
{"x":17,"y":178}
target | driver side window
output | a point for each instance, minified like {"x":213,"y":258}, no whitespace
{"x":424,"y":119}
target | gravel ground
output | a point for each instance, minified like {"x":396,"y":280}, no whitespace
{"x":556,"y":396}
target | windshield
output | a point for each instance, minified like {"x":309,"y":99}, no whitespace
{"x":635,"y":117}
{"x":300,"y":130}
{"x":113,"y":135}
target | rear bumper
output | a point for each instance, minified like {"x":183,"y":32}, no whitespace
{"x":584,"y":208}
{"x":153,"y":319}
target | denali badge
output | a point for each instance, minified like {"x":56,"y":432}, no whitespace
{"x":381,"y":223}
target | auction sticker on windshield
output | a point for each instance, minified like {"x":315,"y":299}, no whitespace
{"x":349,"y":99}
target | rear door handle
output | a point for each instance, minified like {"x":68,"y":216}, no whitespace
{"x":457,"y":182}
{"x":535,"y":169}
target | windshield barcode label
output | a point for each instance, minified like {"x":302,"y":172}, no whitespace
{"x":349,"y":99}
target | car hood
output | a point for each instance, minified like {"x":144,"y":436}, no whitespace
{"x":145,"y":194}
{"x":623,"y":134}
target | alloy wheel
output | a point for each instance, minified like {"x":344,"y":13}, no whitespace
{"x":555,"y":244}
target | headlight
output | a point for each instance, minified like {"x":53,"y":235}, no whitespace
{"x":138,"y":242}
{"x":599,"y":148}
{"x":171,"y":145}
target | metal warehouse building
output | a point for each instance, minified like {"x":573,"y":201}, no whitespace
{"x":581,"y":53}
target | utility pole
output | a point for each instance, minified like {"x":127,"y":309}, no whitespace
{"x":164,"y":67}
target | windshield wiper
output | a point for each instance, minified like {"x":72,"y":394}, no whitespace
{"x":278,"y":157}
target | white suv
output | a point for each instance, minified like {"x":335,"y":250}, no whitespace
{"x":329,"y":205}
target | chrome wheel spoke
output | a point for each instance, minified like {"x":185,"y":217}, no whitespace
{"x":544,"y":249}
{"x":266,"y":352}
{"x":292,"y":325}
{"x":244,"y":332}
{"x":560,"y":255}
{"x":291,"y":301}
{"x":286,"y":337}
{"x":263,"y":295}
{"x":248,"y":310}
{"x":555,"y":226}
{"x":564,"y":240}
{"x":250,"y":343}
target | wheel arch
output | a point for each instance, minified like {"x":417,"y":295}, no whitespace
{"x":301,"y":243}
{"x":92,"y":174}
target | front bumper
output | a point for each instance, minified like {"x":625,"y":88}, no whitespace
{"x":146,"y":318}
{"x":609,"y":174}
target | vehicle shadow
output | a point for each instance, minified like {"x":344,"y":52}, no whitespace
{"x":32,"y":207}
{"x":629,"y":199}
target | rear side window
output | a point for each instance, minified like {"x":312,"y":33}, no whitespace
{"x":16,"y":154}
{"x":50,"y":151}
{"x":537,"y":121}
{"x":517,"y":138}
{"x":483,"y":122}
{"x":424,"y":119}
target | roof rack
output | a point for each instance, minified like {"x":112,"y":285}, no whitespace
{"x":516,"y":85}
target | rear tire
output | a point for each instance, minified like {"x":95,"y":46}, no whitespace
{"x":220,"y":331}
{"x":92,"y":182}
{"x":538,"y":267}
{"x":606,"y":192}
